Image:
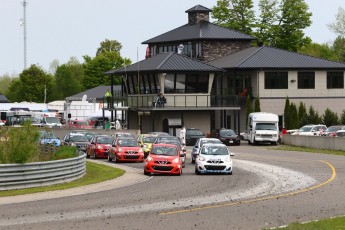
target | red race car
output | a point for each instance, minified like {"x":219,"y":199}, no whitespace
{"x":99,"y":146}
{"x":163,"y":159}
{"x":126,"y":149}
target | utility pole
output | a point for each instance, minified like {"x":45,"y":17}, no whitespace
{"x":23,"y":23}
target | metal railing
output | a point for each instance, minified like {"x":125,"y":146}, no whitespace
{"x":197,"y":100}
{"x":19,"y":176}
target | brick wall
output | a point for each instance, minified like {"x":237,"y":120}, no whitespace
{"x":216,"y":49}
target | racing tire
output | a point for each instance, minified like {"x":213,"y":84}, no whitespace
{"x":115,"y":159}
{"x":87,"y":155}
{"x":193,"y":161}
{"x":146,"y":173}
{"x":197,"y":171}
{"x":180,"y":172}
{"x":230,"y":173}
{"x":94,"y":155}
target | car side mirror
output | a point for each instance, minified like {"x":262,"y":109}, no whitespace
{"x":232,"y":154}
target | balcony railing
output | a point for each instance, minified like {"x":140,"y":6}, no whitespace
{"x":174,"y":101}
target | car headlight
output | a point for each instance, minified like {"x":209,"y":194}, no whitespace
{"x":141,"y":151}
{"x":176,"y":160}
{"x":202,"y":158}
{"x":228,"y":159}
{"x":149,"y":158}
{"x":99,"y":147}
{"x":120,"y":150}
{"x":73,"y":144}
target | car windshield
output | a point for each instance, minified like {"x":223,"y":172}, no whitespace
{"x":78,"y":138}
{"x":128,"y":143}
{"x":214,"y":150}
{"x":227,"y":132}
{"x":265,"y":126}
{"x":82,"y":123}
{"x":209,"y":141}
{"x":305,"y":129}
{"x":104,"y":140}
{"x":149,"y":139}
{"x":193,"y":132}
{"x":164,"y":150}
{"x":332,"y":129}
{"x":47,"y":135}
{"x":172,"y":142}
{"x":52,"y":120}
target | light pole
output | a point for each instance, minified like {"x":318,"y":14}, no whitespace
{"x":23,"y":23}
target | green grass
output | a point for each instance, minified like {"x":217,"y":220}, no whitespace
{"x":310,"y":150}
{"x":94,"y":173}
{"x":332,"y":223}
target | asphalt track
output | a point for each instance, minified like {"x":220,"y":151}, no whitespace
{"x":268,"y":188}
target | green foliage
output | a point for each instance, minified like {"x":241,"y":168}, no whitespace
{"x":19,"y":145}
{"x":319,"y":50}
{"x":5,"y":82}
{"x":287,"y":117}
{"x":338,"y":26}
{"x":109,"y":46}
{"x":293,"y":117}
{"x":278,"y":25}
{"x":342,"y":118}
{"x":68,"y":79}
{"x":31,"y":86}
{"x":302,"y":114}
{"x":257,"y":105}
{"x":64,"y":152}
{"x":249,"y":108}
{"x":313,"y":116}
{"x":339,"y":48}
{"x":235,"y":14}
{"x":330,"y":118}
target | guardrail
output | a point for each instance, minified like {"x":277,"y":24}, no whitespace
{"x":19,"y":176}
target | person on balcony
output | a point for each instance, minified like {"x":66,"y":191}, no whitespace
{"x":161,"y":100}
{"x":107,"y":96}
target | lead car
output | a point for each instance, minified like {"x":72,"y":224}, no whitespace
{"x":214,"y":158}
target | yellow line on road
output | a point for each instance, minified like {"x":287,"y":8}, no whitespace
{"x":259,"y":199}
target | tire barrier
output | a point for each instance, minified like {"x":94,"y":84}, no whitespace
{"x":20,"y":176}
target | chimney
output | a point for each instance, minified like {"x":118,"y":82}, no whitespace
{"x":197,"y":14}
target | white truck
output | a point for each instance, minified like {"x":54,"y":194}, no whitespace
{"x":263,"y":128}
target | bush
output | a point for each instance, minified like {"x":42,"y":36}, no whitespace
{"x":64,"y":152}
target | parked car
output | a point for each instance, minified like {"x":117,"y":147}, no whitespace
{"x":199,"y":143}
{"x":76,"y":139}
{"x":146,"y":141}
{"x":160,"y":133}
{"x":163,"y":159}
{"x":192,"y":135}
{"x":331,"y":131}
{"x":99,"y":146}
{"x":126,"y":149}
{"x":96,"y":120}
{"x":214,"y":158}
{"x":311,"y":130}
{"x":341,"y":132}
{"x":48,"y":138}
{"x":227,"y":136}
{"x":244,"y":136}
{"x":79,"y":124}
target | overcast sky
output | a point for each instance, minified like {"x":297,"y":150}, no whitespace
{"x":60,"y":29}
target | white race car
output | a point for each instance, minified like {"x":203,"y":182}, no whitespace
{"x":214,"y":158}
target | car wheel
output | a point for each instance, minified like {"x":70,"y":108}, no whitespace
{"x":197,"y":171}
{"x":94,"y":155}
{"x":146,"y":173}
{"x":193,"y":161}
{"x":115,"y":159}
{"x":230,"y":173}
{"x":87,"y":155}
{"x":180,"y":172}
{"x":109,"y":159}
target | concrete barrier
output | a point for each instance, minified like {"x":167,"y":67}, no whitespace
{"x":316,"y":142}
{"x":19,"y":176}
{"x":60,"y":133}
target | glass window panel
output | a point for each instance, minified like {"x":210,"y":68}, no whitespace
{"x":180,"y":83}
{"x":335,"y":80}
{"x":306,"y":80}
{"x":276,"y":80}
{"x":169,"y":84}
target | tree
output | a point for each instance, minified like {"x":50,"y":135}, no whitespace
{"x":68,"y":79}
{"x":257,"y":105}
{"x":15,"y":94}
{"x":5,"y":82}
{"x":94,"y":68}
{"x":313,"y":116}
{"x":235,"y":14}
{"x":342,"y":118}
{"x":109,"y":46}
{"x":339,"y":48}
{"x":268,"y":16}
{"x":32,"y":85}
{"x":338,"y":27}
{"x":330,"y":118}
{"x":293,"y":116}
{"x":302,"y":114}
{"x":287,"y":118}
{"x":249,"y":108}
{"x":320,"y":50}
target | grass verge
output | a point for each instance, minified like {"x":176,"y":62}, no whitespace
{"x":94,"y":173}
{"x":332,"y":223}
{"x":310,"y":150}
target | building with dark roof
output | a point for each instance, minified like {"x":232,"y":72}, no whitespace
{"x":206,"y":71}
{"x":3,"y":99}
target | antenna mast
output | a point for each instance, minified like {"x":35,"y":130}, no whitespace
{"x":24,"y":27}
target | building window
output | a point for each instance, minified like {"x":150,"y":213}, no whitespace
{"x":276,"y":80}
{"x":306,"y":80}
{"x":190,"y":83}
{"x":335,"y":80}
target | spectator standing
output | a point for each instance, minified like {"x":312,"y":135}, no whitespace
{"x":117,"y":124}
{"x":161,"y":100}
{"x":183,"y":135}
{"x":107,"y":96}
